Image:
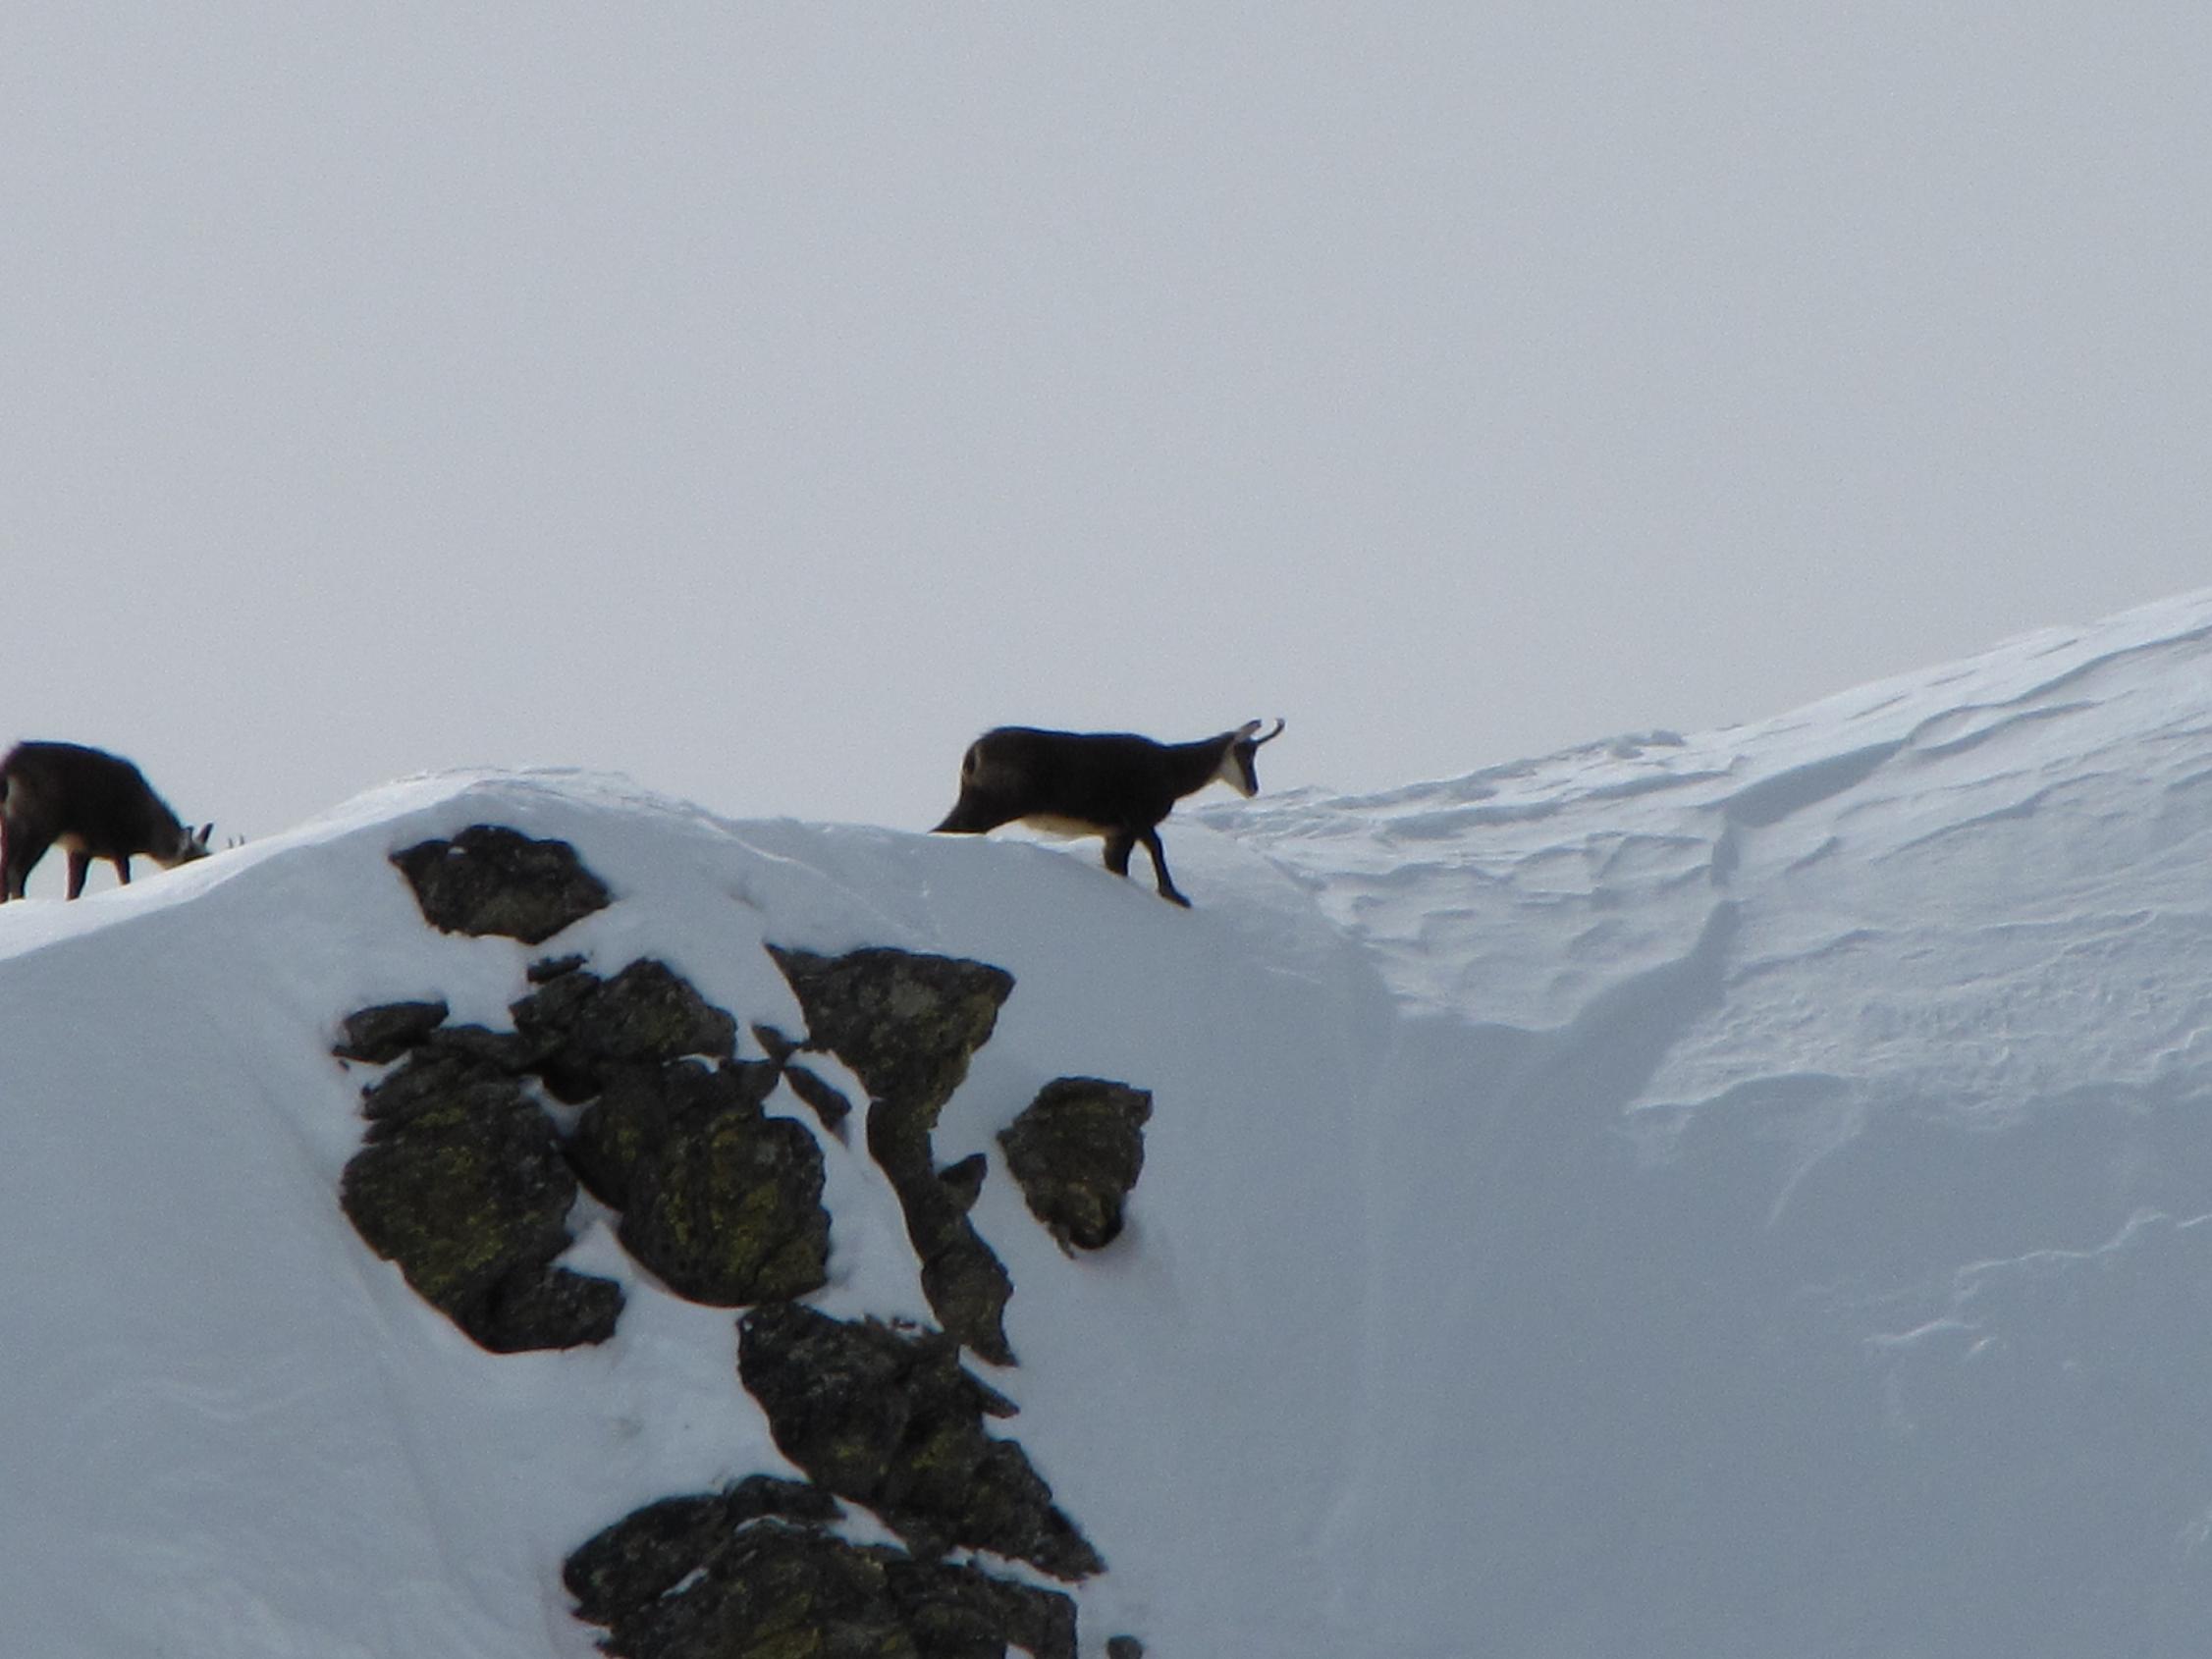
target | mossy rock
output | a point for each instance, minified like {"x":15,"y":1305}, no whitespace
{"x":467,"y":1191}
{"x":720,"y":1201}
{"x":493,"y":880}
{"x":828,"y":1103}
{"x":586,"y":1029}
{"x":765,"y":1589}
{"x":729,"y":1210}
{"x":1075,"y":1151}
{"x":906,"y":1026}
{"x":644,"y":1556}
{"x":961,"y":1612}
{"x":891,"y":1420}
{"x":380,"y":1034}
{"x":754,"y":1572}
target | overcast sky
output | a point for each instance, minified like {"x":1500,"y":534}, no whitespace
{"x":761,"y":400}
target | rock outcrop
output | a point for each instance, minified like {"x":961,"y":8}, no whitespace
{"x":465,"y":1181}
{"x":466,"y":1177}
{"x":1075,"y":1151}
{"x":461,"y":1182}
{"x":906,"y":1025}
{"x":752,"y":1573}
{"x":493,"y":880}
{"x":891,"y":1420}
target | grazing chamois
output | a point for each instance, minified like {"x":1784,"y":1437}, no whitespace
{"x":95,"y":804}
{"x":1111,"y":783}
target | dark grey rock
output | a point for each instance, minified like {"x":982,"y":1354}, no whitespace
{"x":753,"y":1573}
{"x":586,"y":1027}
{"x":506,"y":1052}
{"x":906,"y":1026}
{"x":776,"y":1044}
{"x":722,"y":1202}
{"x":464,"y":1186}
{"x":380,"y":1034}
{"x":828,"y":1104}
{"x":1125,"y":1647}
{"x":960,"y":1612}
{"x":639,"y":1559}
{"x":493,"y":880}
{"x":427,"y":1077}
{"x":964,"y":1181}
{"x":768,"y":1590}
{"x":893,"y":1420}
{"x":1075,"y":1151}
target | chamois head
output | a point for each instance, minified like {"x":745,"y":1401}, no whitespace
{"x":1237,"y":770}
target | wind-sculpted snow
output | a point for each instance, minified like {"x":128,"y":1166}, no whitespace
{"x":1828,"y":1159}
{"x":1703,"y":1196}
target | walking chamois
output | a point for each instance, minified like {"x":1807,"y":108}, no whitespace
{"x":95,"y":804}
{"x":1109,"y":783}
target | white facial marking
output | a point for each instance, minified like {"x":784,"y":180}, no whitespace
{"x":1229,"y":772}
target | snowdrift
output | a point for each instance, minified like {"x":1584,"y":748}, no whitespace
{"x":1737,"y":1194}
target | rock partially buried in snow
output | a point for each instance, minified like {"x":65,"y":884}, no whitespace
{"x":493,"y":880}
{"x":722,"y":1202}
{"x":719,"y":1198}
{"x":1075,"y":1151}
{"x":892,"y":1421}
{"x":464,"y":1186}
{"x":587,"y":1029}
{"x":465,"y":1180}
{"x":752,"y":1573}
{"x":641,"y":1558}
{"x":380,"y":1034}
{"x":906,"y":1026}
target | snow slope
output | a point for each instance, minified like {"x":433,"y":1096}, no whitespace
{"x":1736,"y":1195}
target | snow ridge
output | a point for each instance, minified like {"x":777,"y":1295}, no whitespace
{"x":1719,"y":1194}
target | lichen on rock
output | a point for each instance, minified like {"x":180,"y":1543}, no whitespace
{"x":892,"y":1419}
{"x":587,"y":1028}
{"x":464,"y":1186}
{"x":1075,"y":1151}
{"x":906,"y":1026}
{"x":753,"y":1573}
{"x":722,"y":1201}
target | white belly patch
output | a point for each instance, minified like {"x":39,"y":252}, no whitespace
{"x":1068,"y":828}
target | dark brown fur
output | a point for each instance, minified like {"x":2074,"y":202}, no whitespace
{"x":95,"y":804}
{"x":1111,"y":783}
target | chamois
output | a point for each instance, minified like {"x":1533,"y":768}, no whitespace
{"x":1109,"y":783}
{"x":95,"y":804}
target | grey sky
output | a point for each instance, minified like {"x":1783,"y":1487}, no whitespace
{"x":761,"y":400}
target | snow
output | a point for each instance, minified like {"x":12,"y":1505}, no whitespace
{"x":1740,"y":1193}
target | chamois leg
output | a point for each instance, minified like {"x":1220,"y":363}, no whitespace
{"x":80,"y":865}
{"x":20,"y":856}
{"x":122,"y":869}
{"x":1118,"y":846}
{"x":15,"y":868}
{"x":1151,"y":838}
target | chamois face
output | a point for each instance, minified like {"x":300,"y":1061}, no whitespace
{"x":1239,"y":768}
{"x":190,"y":845}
